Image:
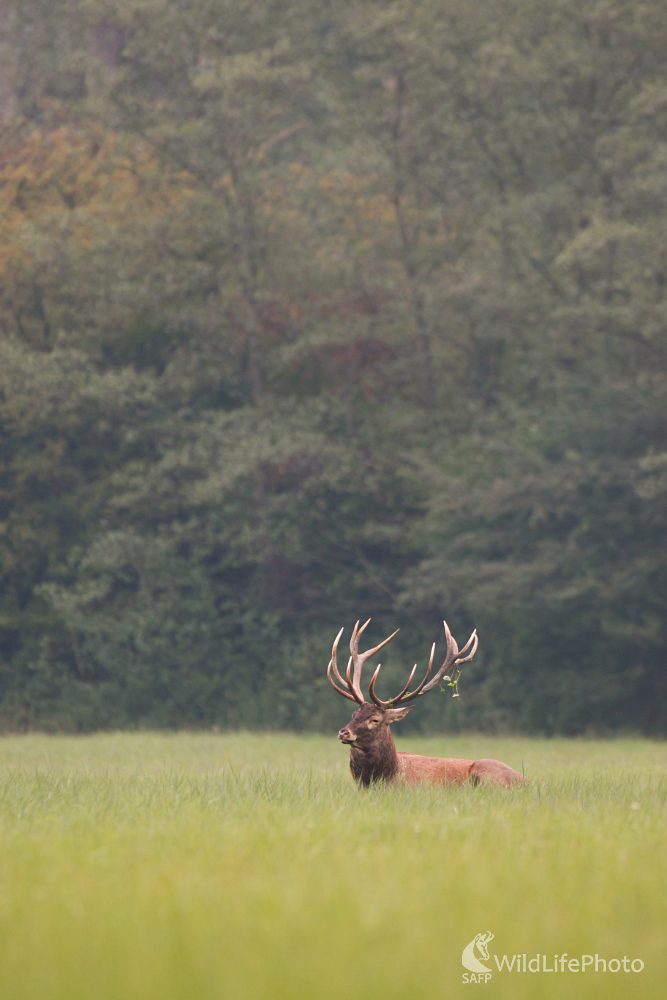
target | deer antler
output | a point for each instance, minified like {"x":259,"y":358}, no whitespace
{"x":454,"y":656}
{"x":333,"y":665}
{"x":355,"y":664}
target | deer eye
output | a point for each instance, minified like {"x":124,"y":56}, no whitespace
{"x":373,"y":722}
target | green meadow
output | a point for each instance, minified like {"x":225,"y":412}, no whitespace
{"x":193,"y":866}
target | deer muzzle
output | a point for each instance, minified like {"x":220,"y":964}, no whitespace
{"x":346,"y":736}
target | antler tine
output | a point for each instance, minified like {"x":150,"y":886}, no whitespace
{"x":335,"y":686}
{"x":465,"y":659}
{"x":334,"y":659}
{"x":333,"y":665}
{"x":465,"y":648}
{"x":405,"y":689}
{"x":350,"y":683}
{"x":403,"y":696}
{"x":362,"y":629}
{"x":392,"y":701}
{"x":452,"y":653}
{"x":452,"y":657}
{"x":354,"y":638}
{"x":358,"y":659}
{"x":371,"y":688}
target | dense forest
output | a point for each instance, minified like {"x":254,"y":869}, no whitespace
{"x":324,"y":311}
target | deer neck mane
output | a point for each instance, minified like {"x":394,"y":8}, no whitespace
{"x":377,"y":762}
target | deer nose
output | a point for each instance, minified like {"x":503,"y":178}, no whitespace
{"x":346,"y":736}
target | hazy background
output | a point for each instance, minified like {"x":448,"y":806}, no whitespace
{"x":317,"y":311}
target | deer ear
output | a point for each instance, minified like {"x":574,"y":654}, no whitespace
{"x":396,"y":714}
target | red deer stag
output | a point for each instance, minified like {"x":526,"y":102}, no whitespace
{"x":373,"y":756}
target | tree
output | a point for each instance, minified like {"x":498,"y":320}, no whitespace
{"x":371,"y":301}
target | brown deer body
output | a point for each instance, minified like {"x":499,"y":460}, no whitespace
{"x":373,"y":755}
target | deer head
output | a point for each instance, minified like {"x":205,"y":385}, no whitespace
{"x":370,"y":723}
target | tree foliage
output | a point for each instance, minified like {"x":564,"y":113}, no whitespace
{"x":312,"y":315}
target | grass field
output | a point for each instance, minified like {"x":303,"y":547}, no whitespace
{"x":170,"y":867}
